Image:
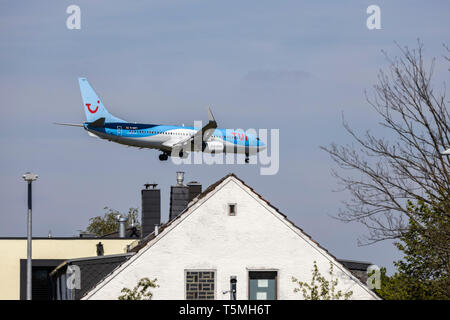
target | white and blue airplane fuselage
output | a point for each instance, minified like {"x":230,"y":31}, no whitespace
{"x":170,"y":140}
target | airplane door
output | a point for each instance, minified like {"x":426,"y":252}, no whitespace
{"x":119,"y":131}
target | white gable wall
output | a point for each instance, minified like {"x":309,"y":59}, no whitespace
{"x":207,"y":238}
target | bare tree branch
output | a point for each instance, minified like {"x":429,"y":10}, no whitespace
{"x":409,"y":165}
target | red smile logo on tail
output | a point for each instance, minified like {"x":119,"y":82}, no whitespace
{"x":88,"y":105}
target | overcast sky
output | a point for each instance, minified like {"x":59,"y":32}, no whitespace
{"x":291,"y":65}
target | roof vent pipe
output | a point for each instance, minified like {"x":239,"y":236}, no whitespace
{"x":122,"y":225}
{"x":180,"y":178}
{"x":156,"y":230}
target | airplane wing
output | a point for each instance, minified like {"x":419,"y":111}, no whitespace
{"x":169,"y":144}
{"x":201,"y":135}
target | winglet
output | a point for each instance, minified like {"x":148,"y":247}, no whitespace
{"x":211,"y":117}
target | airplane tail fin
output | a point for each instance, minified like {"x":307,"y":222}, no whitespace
{"x":93,"y":105}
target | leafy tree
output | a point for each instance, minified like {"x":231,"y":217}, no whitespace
{"x":141,"y":291}
{"x":402,"y":287}
{"x":320,"y":288}
{"x":385,"y":172}
{"x":108,"y":223}
{"x":423,"y":273}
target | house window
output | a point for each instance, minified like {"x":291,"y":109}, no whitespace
{"x":232,"y":209}
{"x":262,"y":285}
{"x":41,"y":286}
{"x":200,"y":285}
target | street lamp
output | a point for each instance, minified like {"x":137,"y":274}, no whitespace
{"x":29,"y":177}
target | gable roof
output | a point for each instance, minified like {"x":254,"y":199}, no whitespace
{"x":150,"y":239}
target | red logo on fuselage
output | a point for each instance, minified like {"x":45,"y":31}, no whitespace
{"x":241,"y":136}
{"x":88,"y":105}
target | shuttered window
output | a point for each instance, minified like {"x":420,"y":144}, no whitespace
{"x":200,"y":285}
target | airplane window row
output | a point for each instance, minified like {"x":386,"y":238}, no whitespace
{"x":185,"y":134}
{"x":171,"y":133}
{"x":158,"y":132}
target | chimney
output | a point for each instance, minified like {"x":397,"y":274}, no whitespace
{"x":195,"y":189}
{"x":122,"y":225}
{"x":151,"y":208}
{"x":180,"y":178}
{"x":179,"y":197}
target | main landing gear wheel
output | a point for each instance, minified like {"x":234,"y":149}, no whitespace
{"x":247,"y":159}
{"x":182,"y":154}
{"x":163,"y":157}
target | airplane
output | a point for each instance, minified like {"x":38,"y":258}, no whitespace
{"x":171,"y":140}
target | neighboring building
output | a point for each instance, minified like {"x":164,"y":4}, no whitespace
{"x":227,"y":237}
{"x":47,"y":253}
{"x":92,"y":269}
{"x":358,"y":268}
{"x":130,"y":233}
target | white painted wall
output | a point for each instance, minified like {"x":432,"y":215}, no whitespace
{"x":206,"y":238}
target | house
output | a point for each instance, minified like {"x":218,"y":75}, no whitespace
{"x":47,"y":253}
{"x":227,"y":238}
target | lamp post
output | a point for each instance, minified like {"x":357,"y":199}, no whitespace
{"x":29,"y":178}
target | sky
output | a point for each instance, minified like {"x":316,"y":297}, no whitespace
{"x":295,"y":66}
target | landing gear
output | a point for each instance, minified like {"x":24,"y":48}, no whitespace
{"x":163,"y":157}
{"x":182,"y":154}
{"x":247,"y":159}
